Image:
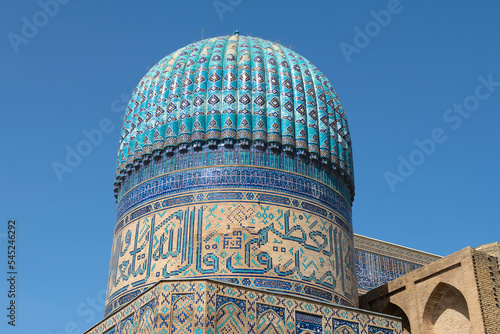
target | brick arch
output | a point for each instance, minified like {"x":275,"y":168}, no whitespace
{"x":230,"y":319}
{"x":127,"y":325}
{"x":395,"y":310}
{"x":182,"y":315}
{"x":344,"y":330}
{"x":146,"y":323}
{"x":446,"y":311}
{"x":270,"y":323}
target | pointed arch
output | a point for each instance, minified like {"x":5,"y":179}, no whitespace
{"x":182,"y":315}
{"x":395,"y":310}
{"x":230,"y":319}
{"x":146,"y":323}
{"x":345,"y":329}
{"x":270,"y":323}
{"x":127,"y":328}
{"x":127,"y":325}
{"x":446,"y":311}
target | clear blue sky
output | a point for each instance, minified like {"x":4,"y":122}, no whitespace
{"x":397,"y":85}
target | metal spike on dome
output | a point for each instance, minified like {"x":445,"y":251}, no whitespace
{"x":236,"y":32}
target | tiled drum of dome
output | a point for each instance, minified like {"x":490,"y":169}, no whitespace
{"x":234,"y":163}
{"x":278,"y":242}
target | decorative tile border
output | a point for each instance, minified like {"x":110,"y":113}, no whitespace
{"x":218,"y":179}
{"x":209,"y":297}
{"x":379,"y":262}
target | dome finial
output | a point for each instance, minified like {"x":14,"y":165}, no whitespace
{"x":236,"y":32}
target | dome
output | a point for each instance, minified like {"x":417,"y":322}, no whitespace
{"x":234,"y":165}
{"x":235,"y":90}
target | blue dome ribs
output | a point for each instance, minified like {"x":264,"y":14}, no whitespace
{"x":299,"y":105}
{"x":229,"y":89}
{"x":199,"y":122}
{"x":273,"y":105}
{"x":311,"y":110}
{"x":244,"y":93}
{"x":233,"y":92}
{"x":259,"y":119}
{"x":186,"y":104}
{"x":213,"y":97}
{"x":322,"y":120}
{"x":286,"y":97}
{"x":161,"y":113}
{"x":174,"y":109}
{"x":149,"y":113}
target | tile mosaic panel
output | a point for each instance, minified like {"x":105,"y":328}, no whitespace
{"x":217,"y":307}
{"x":345,"y":327}
{"x":374,"y":270}
{"x":271,"y":323}
{"x":225,"y":178}
{"x":274,"y":242}
{"x":182,"y":313}
{"x":308,"y":323}
{"x":235,"y":157}
{"x":230,"y":319}
{"x":378,"y":330}
{"x":229,"y":88}
{"x":379,"y":262}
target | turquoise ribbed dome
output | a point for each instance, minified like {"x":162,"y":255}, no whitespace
{"x":235,"y":164}
{"x":235,"y":90}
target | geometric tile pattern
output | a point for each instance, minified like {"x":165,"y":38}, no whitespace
{"x":345,"y":327}
{"x":374,"y":270}
{"x":379,"y":262}
{"x":235,"y":88}
{"x":146,"y":323}
{"x":127,"y":325}
{"x":377,"y":330}
{"x":394,"y":251}
{"x":230,"y":319}
{"x":223,"y":300}
{"x":271,"y":323}
{"x":207,"y":157}
{"x":217,"y":307}
{"x":262,"y":308}
{"x":259,"y":227}
{"x":228,"y":177}
{"x":308,"y":323}
{"x":182,"y":314}
{"x":345,"y":330}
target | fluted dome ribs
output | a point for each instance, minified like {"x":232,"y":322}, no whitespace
{"x":230,"y":90}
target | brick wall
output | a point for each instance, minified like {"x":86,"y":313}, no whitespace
{"x":488,"y":278}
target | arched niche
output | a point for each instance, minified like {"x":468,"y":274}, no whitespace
{"x":446,"y":311}
{"x":146,"y":323}
{"x":395,"y":310}
{"x":182,"y":315}
{"x":270,"y":323}
{"x":230,"y":319}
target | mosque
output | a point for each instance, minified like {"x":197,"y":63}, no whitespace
{"x":234,"y":187}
